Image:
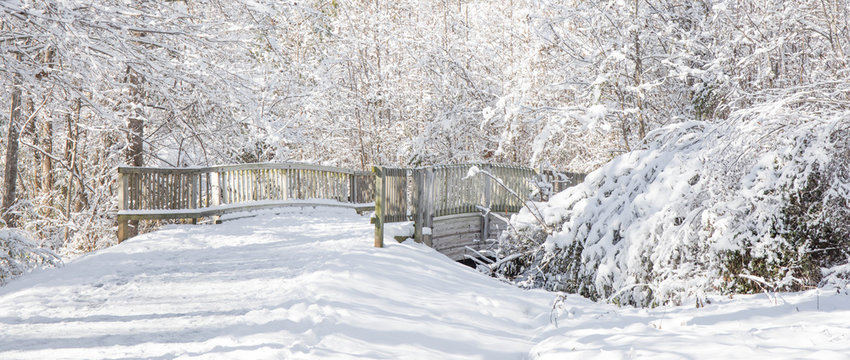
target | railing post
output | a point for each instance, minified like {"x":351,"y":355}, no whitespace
{"x":428,"y":207}
{"x":123,"y":224}
{"x":485,"y":222}
{"x":352,"y":188}
{"x":419,"y":203}
{"x":380,"y":200}
{"x":195,"y":197}
{"x":216,"y":192}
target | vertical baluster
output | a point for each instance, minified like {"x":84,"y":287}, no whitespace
{"x":261,"y":183}
{"x":276,"y":181}
{"x":161,"y":187}
{"x":234,"y":196}
{"x":286,"y":187}
{"x":155,"y":193}
{"x":306,"y":184}
{"x":177,"y":185}
{"x":313,"y":183}
{"x":231,"y":187}
{"x":255,"y":183}
{"x":136,"y":197}
{"x":173,"y":182}
{"x":243,"y":189}
{"x":143,"y":202}
{"x":151,"y":192}
{"x":144,"y":183}
{"x":177,"y":181}
{"x":240,"y":191}
{"x":245,"y":193}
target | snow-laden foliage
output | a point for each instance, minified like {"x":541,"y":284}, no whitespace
{"x":757,"y":203}
{"x":19,"y":254}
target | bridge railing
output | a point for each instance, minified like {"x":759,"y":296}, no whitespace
{"x":421,"y":194}
{"x":192,"y":193}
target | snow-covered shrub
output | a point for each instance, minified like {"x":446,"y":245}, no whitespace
{"x":19,"y":254}
{"x":760,"y":202}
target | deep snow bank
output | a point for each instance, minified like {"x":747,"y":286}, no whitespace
{"x":758,"y":203}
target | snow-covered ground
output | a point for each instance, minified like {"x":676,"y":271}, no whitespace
{"x":307,"y":284}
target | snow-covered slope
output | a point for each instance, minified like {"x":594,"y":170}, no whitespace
{"x":308,"y":285}
{"x":298,"y":285}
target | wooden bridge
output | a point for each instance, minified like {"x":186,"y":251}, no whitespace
{"x":452,"y":212}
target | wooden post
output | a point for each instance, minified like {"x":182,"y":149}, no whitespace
{"x":216,"y":192}
{"x":123,"y":224}
{"x":195,"y":197}
{"x":380,"y":200}
{"x":485,"y":222}
{"x":419,"y":204}
{"x":428,"y":205}
{"x":352,"y":188}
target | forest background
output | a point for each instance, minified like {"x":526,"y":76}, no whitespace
{"x":563,"y":84}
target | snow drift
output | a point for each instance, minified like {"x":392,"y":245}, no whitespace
{"x":756,"y":203}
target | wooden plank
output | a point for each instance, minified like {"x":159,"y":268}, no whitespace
{"x":460,"y":223}
{"x":461,"y":245}
{"x":458,"y":249}
{"x":218,"y":211}
{"x":457,"y":228}
{"x":233,"y":167}
{"x":453,"y":240}
{"x":380,"y":196}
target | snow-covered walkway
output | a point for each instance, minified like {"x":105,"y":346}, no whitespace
{"x":308,"y":285}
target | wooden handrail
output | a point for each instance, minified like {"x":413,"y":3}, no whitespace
{"x":178,"y":193}
{"x":233,"y":167}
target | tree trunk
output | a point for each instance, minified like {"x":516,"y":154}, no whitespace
{"x":46,"y":161}
{"x":135,"y":124}
{"x":11,"y":170}
{"x":46,"y":136}
{"x":638,"y":75}
{"x":136,"y":128}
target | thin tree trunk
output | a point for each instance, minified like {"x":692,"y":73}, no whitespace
{"x":46,"y":161}
{"x":29,"y":132}
{"x":136,"y":128}
{"x":638,"y":76}
{"x":71,"y":154}
{"x":46,"y":130}
{"x":135,"y":124}
{"x":11,"y":170}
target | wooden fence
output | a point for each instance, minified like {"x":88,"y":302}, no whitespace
{"x":192,"y":193}
{"x":446,"y":204}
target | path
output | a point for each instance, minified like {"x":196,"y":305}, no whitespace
{"x":299,"y":285}
{"x":309,"y":285}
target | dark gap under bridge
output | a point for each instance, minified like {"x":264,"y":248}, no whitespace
{"x":446,"y":206}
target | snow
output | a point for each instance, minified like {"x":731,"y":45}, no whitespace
{"x":665,"y":223}
{"x":307,"y":284}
